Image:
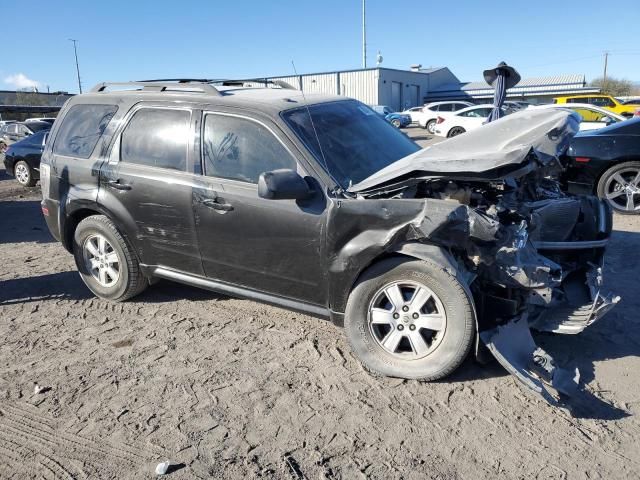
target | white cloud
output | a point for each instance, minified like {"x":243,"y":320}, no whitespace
{"x":20,"y":80}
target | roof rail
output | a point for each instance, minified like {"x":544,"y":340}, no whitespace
{"x":265,"y":81}
{"x":169,"y":85}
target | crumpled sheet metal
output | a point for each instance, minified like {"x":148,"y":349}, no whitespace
{"x":508,"y":141}
{"x":358,"y":235}
{"x":513,"y":346}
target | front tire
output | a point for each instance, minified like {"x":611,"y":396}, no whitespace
{"x":105,"y":261}
{"x":409,"y":319}
{"x":395,"y":123}
{"x":620,"y":187}
{"x":24,"y":174}
{"x":431,"y":127}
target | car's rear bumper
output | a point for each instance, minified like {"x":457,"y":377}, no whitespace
{"x":51,"y":212}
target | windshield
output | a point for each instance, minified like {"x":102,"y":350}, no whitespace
{"x":355,"y":141}
{"x":37,"y":126}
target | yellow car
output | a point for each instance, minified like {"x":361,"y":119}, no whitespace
{"x":603,"y":101}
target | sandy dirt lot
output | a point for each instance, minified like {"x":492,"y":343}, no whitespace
{"x":229,"y":388}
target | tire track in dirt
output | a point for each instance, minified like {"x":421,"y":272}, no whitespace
{"x":27,"y":435}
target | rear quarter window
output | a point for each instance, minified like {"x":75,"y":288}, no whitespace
{"x":81,"y":128}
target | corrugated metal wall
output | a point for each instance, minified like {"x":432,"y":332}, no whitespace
{"x":372,"y":86}
{"x":361,"y":85}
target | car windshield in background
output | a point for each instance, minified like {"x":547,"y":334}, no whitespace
{"x":37,"y":126}
{"x":354,"y":140}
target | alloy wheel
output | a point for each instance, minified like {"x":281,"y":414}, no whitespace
{"x":101,"y":260}
{"x":22,"y":173}
{"x":622,"y":190}
{"x":407,"y":319}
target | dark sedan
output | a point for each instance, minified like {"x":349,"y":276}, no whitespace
{"x":22,"y":159}
{"x":607,"y":162}
{"x":14,"y":132}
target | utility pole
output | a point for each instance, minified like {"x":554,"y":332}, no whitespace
{"x":364,"y":33}
{"x":604,"y":77}
{"x":75,"y":51}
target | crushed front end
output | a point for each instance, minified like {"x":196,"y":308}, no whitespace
{"x":533,"y":253}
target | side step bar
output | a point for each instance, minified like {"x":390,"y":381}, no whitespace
{"x":235,"y":291}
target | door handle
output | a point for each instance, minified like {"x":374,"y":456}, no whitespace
{"x":217,"y":204}
{"x":119,"y":186}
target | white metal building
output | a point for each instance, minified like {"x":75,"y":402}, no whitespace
{"x":399,"y":89}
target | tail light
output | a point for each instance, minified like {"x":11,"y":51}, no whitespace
{"x":582,"y":159}
{"x":439,"y":120}
{"x":637,"y":114}
{"x":44,"y":180}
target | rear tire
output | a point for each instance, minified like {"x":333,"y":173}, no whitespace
{"x":105,"y":261}
{"x":431,"y":127}
{"x":395,"y":123}
{"x":619,"y":186}
{"x":441,"y":346}
{"x":3,"y":147}
{"x":455,"y":131}
{"x":24,"y":174}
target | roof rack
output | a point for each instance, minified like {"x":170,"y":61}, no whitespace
{"x":168,"y":85}
{"x":203,"y":85}
{"x":225,"y":81}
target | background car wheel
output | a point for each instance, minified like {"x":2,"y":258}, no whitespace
{"x":409,"y":319}
{"x":105,"y":261}
{"x":3,"y":147}
{"x":395,"y":123}
{"x":455,"y":131}
{"x":620,"y":187}
{"x":24,"y":174}
{"x":431,"y":126}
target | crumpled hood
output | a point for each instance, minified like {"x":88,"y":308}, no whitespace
{"x":508,"y":141}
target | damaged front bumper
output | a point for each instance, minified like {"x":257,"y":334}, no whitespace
{"x":577,"y":314}
{"x":566,"y":304}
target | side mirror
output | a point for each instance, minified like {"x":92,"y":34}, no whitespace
{"x":283,"y":184}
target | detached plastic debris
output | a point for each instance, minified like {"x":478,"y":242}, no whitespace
{"x":37,"y":389}
{"x":513,"y":346}
{"x":162,"y":468}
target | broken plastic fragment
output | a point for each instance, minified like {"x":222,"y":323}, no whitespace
{"x":162,"y":468}
{"x":513,"y":346}
{"x":40,"y":389}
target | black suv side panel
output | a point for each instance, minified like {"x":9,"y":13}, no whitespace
{"x":154,"y":205}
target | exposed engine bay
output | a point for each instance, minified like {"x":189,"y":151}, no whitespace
{"x":532,"y":255}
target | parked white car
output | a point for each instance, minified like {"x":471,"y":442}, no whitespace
{"x":415,"y":113}
{"x":470,"y":118}
{"x":592,"y":117}
{"x":431,"y":111}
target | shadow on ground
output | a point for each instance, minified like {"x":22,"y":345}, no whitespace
{"x":22,"y":221}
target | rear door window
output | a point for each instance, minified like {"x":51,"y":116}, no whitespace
{"x":81,"y":128}
{"x":157,"y":137}
{"x":241,"y":149}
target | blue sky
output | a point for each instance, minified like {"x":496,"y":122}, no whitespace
{"x":128,"y":40}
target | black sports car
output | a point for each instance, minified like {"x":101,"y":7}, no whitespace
{"x":607,"y":162}
{"x":22,"y":159}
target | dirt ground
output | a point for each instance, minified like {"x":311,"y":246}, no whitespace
{"x":228,"y":388}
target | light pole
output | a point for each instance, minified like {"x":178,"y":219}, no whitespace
{"x":364,"y":33}
{"x":75,"y":51}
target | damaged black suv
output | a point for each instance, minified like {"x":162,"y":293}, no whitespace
{"x":317,"y":204}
